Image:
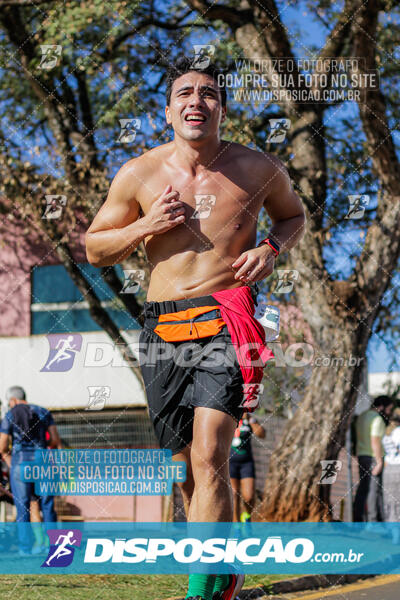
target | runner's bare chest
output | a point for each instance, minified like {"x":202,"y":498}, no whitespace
{"x":218,"y":204}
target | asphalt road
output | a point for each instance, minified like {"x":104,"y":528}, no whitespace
{"x":385,"y":587}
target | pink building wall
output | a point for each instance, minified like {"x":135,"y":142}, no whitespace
{"x":19,"y":253}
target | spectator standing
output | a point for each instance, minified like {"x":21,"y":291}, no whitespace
{"x":391,"y":474}
{"x":242,"y":468}
{"x":24,"y":427}
{"x":370,"y":429}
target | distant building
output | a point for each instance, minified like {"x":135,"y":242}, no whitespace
{"x":96,"y":402}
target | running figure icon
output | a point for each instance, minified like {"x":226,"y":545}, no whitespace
{"x":63,"y":345}
{"x":62,"y":549}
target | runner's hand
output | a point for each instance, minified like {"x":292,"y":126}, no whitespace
{"x":255,"y":264}
{"x":165,"y":213}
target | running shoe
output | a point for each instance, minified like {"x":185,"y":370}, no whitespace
{"x":234,"y":586}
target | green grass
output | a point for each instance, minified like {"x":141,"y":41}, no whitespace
{"x":104,"y":587}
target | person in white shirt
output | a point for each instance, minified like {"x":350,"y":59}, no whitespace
{"x":370,"y":429}
{"x":391,"y":473}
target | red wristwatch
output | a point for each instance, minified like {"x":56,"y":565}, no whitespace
{"x":273,"y":245}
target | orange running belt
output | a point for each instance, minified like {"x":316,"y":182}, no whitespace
{"x":190,"y":324}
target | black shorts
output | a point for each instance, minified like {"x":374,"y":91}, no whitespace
{"x":179,"y":376}
{"x":241,"y":468}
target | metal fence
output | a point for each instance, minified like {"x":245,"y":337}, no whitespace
{"x":125,"y":428}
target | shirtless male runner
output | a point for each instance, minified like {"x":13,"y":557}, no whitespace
{"x":204,"y":265}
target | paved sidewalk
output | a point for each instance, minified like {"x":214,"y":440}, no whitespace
{"x":380,"y":587}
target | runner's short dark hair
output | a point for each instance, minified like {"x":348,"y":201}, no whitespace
{"x":183,"y":65}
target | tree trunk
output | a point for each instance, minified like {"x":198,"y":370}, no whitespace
{"x":292,"y":491}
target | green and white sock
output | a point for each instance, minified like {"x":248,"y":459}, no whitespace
{"x":201,"y":585}
{"x":221,"y":581}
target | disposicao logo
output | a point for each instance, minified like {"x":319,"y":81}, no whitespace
{"x":188,"y":550}
{"x":62,"y":547}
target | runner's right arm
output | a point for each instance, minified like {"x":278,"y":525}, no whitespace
{"x":117,"y":230}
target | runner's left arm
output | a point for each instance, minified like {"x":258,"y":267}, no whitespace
{"x":284,"y":208}
{"x":287,"y":215}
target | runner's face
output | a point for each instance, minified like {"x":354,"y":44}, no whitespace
{"x":195,"y":110}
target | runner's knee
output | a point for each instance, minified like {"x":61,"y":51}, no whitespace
{"x":247,"y":498}
{"x":209,"y":457}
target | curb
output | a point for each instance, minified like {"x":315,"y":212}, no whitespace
{"x":300,"y":584}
